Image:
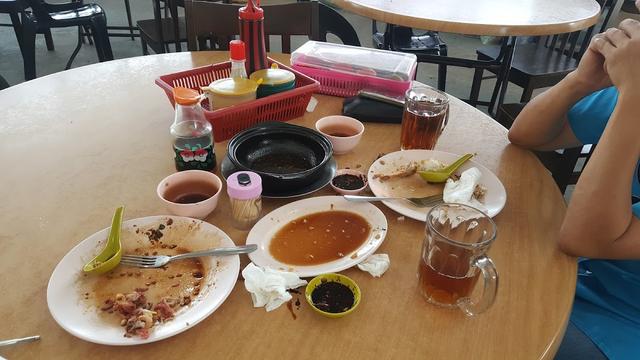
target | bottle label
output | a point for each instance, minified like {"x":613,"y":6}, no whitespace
{"x":188,"y":157}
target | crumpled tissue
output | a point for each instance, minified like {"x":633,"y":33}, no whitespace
{"x":375,"y":265}
{"x":268,"y":287}
{"x":461,"y":191}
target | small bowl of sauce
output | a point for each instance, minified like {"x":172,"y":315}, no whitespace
{"x":190,"y":193}
{"x":349,"y":182}
{"x":333,"y":295}
{"x":344,"y":132}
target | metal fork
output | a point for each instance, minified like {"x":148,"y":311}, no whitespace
{"x":161,"y":260}
{"x":419,"y":202}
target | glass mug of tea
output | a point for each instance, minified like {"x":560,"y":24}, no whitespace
{"x":453,"y":257}
{"x":426,"y":112}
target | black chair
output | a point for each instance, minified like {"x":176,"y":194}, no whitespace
{"x":285,"y":20}
{"x":158,"y":33}
{"x":45,"y":16}
{"x":404,"y":39}
{"x":562,"y":164}
{"x":331,"y":22}
{"x":548,"y":59}
{"x":3,"y":83}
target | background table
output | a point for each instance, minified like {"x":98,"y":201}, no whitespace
{"x":76,"y":144}
{"x":481,"y":17}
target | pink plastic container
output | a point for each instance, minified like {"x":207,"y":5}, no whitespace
{"x":344,"y":70}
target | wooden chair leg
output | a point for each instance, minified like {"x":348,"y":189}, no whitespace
{"x":145,"y":48}
{"x":127,"y":7}
{"x":527,"y":94}
{"x":475,"y":86}
{"x":17,"y":27}
{"x":48,"y":39}
{"x":101,"y":38}
{"x":29,"y":51}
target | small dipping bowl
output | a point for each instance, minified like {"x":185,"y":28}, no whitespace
{"x":347,"y":172}
{"x":344,"y":132}
{"x":190,"y":193}
{"x":336,"y":278}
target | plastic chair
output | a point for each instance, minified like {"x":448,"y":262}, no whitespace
{"x":561,"y":164}
{"x":3,"y":83}
{"x":404,"y":39}
{"x":548,"y":59}
{"x":301,"y":18}
{"x":45,"y":16}
{"x":159,"y":32}
{"x":331,"y":22}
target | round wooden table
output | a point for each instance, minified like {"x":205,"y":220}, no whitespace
{"x":77,"y":144}
{"x":481,"y":17}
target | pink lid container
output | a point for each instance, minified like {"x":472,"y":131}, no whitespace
{"x":244,"y":185}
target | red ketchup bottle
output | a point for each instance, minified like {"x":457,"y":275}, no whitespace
{"x":251,"y":19}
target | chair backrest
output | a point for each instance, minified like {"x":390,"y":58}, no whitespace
{"x":218,"y":22}
{"x":331,"y":22}
{"x":574,"y":44}
{"x":39,"y":9}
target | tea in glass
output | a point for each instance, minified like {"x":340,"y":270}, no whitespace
{"x":425,"y":115}
{"x":454,"y":256}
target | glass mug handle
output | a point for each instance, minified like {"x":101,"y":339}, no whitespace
{"x":445,"y":122}
{"x":490,"y":276}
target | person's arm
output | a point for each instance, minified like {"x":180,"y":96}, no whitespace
{"x":599,"y":221}
{"x":543,"y":124}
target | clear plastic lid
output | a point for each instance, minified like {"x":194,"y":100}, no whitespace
{"x":359,"y":60}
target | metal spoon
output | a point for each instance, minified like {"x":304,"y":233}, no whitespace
{"x":20,"y":341}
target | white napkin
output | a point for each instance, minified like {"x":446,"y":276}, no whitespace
{"x":461,"y":191}
{"x":375,"y":265}
{"x":268,"y":286}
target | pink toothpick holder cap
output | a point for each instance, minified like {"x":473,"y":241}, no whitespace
{"x":244,"y":185}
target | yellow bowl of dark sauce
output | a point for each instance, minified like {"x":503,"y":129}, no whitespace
{"x":333,"y":295}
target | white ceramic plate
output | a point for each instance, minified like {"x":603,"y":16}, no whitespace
{"x":262,"y":233}
{"x":74,"y":315}
{"x":495,"y":197}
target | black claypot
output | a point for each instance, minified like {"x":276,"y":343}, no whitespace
{"x":285,"y":156}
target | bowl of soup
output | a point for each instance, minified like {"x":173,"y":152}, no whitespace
{"x":343,"y":132}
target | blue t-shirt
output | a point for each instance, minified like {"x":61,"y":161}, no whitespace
{"x":607,"y":302}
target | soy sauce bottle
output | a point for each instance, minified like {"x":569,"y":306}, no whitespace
{"x":193,"y":145}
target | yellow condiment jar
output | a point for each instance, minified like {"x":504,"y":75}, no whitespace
{"x":274,"y":80}
{"x":230,"y":91}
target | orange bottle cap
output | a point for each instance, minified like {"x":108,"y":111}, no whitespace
{"x":184,"y":96}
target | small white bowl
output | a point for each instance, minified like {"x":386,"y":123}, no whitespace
{"x":196,"y":181}
{"x":350,"y":172}
{"x":353,"y":128}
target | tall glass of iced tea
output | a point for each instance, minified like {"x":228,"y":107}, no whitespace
{"x":453,"y":257}
{"x":426,"y":111}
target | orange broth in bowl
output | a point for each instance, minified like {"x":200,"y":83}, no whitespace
{"x":319,"y":238}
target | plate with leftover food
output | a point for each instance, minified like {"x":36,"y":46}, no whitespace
{"x":317,"y":235}
{"x":397,"y":175}
{"x":130,"y":305}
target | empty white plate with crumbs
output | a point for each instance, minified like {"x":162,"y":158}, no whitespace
{"x":305,"y":213}
{"x":74,"y":299}
{"x":413,"y":186}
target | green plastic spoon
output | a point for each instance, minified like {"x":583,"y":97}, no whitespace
{"x":110,"y":256}
{"x":442,"y":175}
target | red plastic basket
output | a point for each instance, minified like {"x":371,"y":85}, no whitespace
{"x":231,"y":120}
